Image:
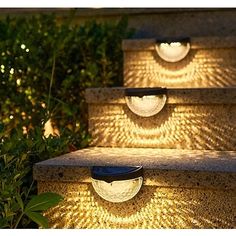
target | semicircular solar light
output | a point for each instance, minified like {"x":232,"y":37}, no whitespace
{"x":173,"y":50}
{"x":145,"y":102}
{"x":117,"y":184}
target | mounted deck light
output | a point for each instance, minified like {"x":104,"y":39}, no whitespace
{"x":117,"y":184}
{"x":145,"y":102}
{"x":173,"y":50}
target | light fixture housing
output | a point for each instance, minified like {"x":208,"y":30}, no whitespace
{"x":117,"y":184}
{"x":145,"y":102}
{"x":173,"y":49}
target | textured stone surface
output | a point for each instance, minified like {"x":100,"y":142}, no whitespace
{"x":176,"y":126}
{"x":149,"y":158}
{"x":152,"y":208}
{"x":208,"y":64}
{"x":173,"y":168}
{"x":191,"y":119}
{"x":196,"y":43}
{"x":116,"y":95}
{"x":152,"y":22}
{"x":182,"y":189}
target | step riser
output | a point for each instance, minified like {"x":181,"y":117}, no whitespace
{"x":153,"y":208}
{"x":182,"y":127}
{"x":202,"y":67}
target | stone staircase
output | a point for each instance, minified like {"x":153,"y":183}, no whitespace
{"x":188,"y":150}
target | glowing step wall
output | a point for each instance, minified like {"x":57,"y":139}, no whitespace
{"x":211,"y":62}
{"x":191,"y":119}
{"x":182,"y":189}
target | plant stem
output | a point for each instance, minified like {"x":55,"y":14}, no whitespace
{"x":29,"y":189}
{"x":51,"y":81}
{"x":21,"y":215}
{"x":18,"y":220}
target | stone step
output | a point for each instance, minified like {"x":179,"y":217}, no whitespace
{"x":195,"y":119}
{"x":211,"y":62}
{"x":179,"y":185}
{"x":177,"y":22}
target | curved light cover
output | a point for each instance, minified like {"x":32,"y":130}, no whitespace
{"x":117,"y":189}
{"x":173,"y":51}
{"x":148,"y":103}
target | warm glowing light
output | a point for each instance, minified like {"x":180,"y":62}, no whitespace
{"x":147,"y":105}
{"x":117,"y":191}
{"x":174,"y":51}
{"x":117,"y":184}
{"x":145,"y":102}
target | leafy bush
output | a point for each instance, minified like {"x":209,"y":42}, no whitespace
{"x":18,"y":153}
{"x":45,"y":68}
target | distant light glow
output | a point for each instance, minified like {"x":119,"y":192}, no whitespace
{"x":23,"y":46}
{"x":18,"y":82}
{"x":27,"y":50}
{"x":147,"y":105}
{"x":12,"y":71}
{"x":11,"y":117}
{"x":174,"y":51}
{"x":2,"y":68}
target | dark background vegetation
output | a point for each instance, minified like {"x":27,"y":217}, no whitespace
{"x":45,"y":68}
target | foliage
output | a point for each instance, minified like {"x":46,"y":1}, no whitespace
{"x":18,"y":153}
{"x":45,"y":68}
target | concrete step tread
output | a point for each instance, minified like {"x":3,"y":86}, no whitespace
{"x":175,"y":95}
{"x":149,"y":158}
{"x":205,"y":42}
{"x":162,"y":167}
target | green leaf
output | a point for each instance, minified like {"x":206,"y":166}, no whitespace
{"x":38,"y":218}
{"x":19,"y":201}
{"x":3,"y":223}
{"x":43,"y":202}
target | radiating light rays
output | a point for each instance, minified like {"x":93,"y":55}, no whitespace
{"x":176,"y":126}
{"x":155,"y":207}
{"x":201,"y":68}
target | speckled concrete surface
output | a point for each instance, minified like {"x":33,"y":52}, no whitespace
{"x":191,"y":119}
{"x":208,"y":64}
{"x":176,"y":126}
{"x":172,"y":168}
{"x":153,"y":208}
{"x":116,"y":95}
{"x":149,"y":158}
{"x":196,"y":43}
{"x":181,"y":189}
